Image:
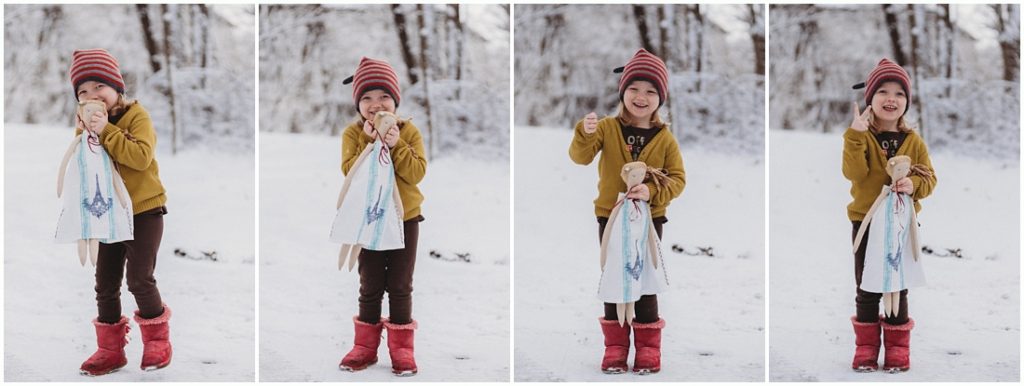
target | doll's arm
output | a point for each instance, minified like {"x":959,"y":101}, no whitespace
{"x":867,"y":218}
{"x":924,"y":185}
{"x":675,"y":180}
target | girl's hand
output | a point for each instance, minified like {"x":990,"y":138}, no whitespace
{"x":640,"y":192}
{"x":590,"y":123}
{"x":904,"y":185}
{"x":97,"y":122}
{"x":860,"y":120}
{"x":368,"y":130}
{"x":391,"y":138}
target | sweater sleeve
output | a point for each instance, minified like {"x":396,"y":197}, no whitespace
{"x":352,"y":144}
{"x":923,"y":186}
{"x":584,"y":147}
{"x":676,"y":177}
{"x":408,"y":155}
{"x":855,"y":161}
{"x":133,"y":146}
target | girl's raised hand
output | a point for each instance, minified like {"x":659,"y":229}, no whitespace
{"x":860,"y":120}
{"x":590,"y":123}
{"x":97,"y":122}
{"x":368,"y":129}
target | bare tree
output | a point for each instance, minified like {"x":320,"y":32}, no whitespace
{"x":756,"y":21}
{"x":401,"y":25}
{"x":893,"y":24}
{"x":148,"y":38}
{"x":422,"y":17}
{"x":165,"y":16}
{"x":640,"y":14}
{"x":1007,"y":24}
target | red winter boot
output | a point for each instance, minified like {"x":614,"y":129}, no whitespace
{"x":364,"y":349}
{"x":897,"y":346}
{"x":400,"y":337}
{"x":111,"y":339}
{"x":647,"y":337}
{"x":616,"y":346}
{"x":156,"y":340}
{"x":869,"y":341}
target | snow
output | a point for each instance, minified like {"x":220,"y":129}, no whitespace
{"x":49,"y":301}
{"x":967,"y":317}
{"x":307,"y":304}
{"x":714,"y":311}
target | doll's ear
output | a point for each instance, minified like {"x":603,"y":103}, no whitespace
{"x":619,"y":70}
{"x":348,"y":80}
{"x":859,"y":86}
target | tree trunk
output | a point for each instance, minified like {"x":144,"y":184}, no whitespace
{"x":148,"y":39}
{"x":757,"y":36}
{"x":424,"y":48}
{"x":1007,"y":25}
{"x":663,"y":35}
{"x":641,"y":24}
{"x":165,"y":16}
{"x":916,"y":19}
{"x":403,"y":39}
{"x":457,"y":37}
{"x":893,"y":24}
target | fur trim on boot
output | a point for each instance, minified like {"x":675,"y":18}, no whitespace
{"x":616,"y":346}
{"x":109,"y":356}
{"x":868,"y":341}
{"x":647,"y":337}
{"x":364,"y":347}
{"x":400,"y":346}
{"x":897,"y":346}
{"x":156,"y":340}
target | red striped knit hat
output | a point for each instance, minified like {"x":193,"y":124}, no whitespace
{"x":97,"y":65}
{"x":374,"y":74}
{"x":886,"y":71}
{"x":645,"y":66}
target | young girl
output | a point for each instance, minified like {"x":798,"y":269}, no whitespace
{"x":126,"y":133}
{"x":636,"y":134}
{"x":375,"y":88}
{"x":875,"y":136}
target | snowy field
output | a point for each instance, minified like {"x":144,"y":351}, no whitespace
{"x":306,"y":304}
{"x":967,"y":317}
{"x":714,"y":313}
{"x":49,"y":299}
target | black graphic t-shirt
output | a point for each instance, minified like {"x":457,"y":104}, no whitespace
{"x":637,"y":138}
{"x":890,"y":141}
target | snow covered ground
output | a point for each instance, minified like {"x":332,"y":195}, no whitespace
{"x":967,"y":318}
{"x":49,"y":298}
{"x":306,"y":304}
{"x":715,"y":311}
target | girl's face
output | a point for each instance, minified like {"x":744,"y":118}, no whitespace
{"x":93,"y":90}
{"x":641,"y":99}
{"x":889,"y":102}
{"x":374,"y":101}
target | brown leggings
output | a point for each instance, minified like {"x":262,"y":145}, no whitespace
{"x":867,"y":302}
{"x":646,"y":308}
{"x":140,"y":256}
{"x":389,"y":271}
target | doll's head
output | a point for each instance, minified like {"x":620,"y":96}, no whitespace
{"x":898,"y":167}
{"x":88,"y":107}
{"x":374,"y":88}
{"x":634,"y":173}
{"x":384,"y":121}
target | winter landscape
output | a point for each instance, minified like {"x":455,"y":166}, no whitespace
{"x":967,"y":317}
{"x":714,"y":311}
{"x":49,"y":302}
{"x":452,"y":66}
{"x":963,"y":61}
